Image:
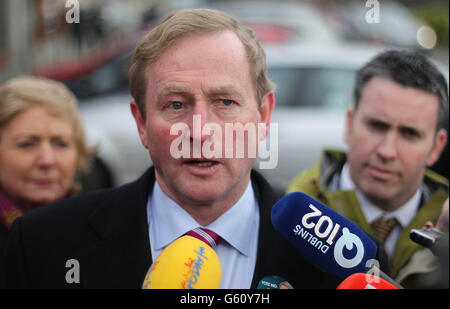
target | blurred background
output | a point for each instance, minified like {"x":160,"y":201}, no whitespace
{"x":313,"y":50}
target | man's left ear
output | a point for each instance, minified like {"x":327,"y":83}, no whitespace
{"x":265,"y":111}
{"x":439,"y":144}
{"x":140,"y":122}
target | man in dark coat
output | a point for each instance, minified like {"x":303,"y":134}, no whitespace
{"x":199,"y":72}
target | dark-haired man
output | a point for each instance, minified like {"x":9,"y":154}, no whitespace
{"x":394,"y":132}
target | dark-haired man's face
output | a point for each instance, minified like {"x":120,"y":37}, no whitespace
{"x":392,"y":138}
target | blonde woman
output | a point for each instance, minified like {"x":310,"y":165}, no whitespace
{"x":42,"y":146}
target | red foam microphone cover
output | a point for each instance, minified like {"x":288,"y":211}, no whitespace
{"x":365,"y":281}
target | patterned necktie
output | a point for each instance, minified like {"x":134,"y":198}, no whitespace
{"x":383,"y":227}
{"x":205,"y":235}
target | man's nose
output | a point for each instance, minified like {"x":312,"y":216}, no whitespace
{"x":387,"y":148}
{"x":200,"y":117}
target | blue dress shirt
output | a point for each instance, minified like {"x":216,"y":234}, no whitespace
{"x":238,"y":227}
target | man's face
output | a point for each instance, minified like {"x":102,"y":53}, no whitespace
{"x":206,"y":75}
{"x":392,"y":138}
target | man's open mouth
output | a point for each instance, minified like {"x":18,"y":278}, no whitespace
{"x":202,"y":163}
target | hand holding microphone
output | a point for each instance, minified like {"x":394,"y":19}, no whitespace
{"x":186,"y":263}
{"x":431,"y":236}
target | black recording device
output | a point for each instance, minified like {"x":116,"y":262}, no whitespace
{"x":426,"y":237}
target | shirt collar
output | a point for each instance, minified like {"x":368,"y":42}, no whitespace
{"x":403,"y":214}
{"x":169,"y":221}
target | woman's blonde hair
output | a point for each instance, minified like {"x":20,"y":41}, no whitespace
{"x":21,"y":93}
{"x":183,"y":22}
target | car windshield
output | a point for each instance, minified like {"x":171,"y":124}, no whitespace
{"x":312,"y":87}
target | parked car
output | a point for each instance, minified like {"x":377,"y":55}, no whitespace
{"x":397,"y":24}
{"x":305,"y":21}
{"x":304,"y":18}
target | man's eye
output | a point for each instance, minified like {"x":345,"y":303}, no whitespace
{"x":409,"y":133}
{"x":227,"y":102}
{"x":379,"y":126}
{"x":177,"y":105}
{"x":25,"y":144}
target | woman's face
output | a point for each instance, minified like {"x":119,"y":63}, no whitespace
{"x":38,"y":157}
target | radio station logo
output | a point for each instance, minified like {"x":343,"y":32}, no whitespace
{"x":323,"y":234}
{"x":194,"y":268}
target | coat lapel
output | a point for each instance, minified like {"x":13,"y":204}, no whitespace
{"x":266,"y":197}
{"x":120,"y":224}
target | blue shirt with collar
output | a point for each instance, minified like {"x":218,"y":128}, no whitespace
{"x":238,"y":227}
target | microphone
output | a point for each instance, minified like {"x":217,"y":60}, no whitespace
{"x":365,"y":281}
{"x":375,"y":271}
{"x":273,"y":283}
{"x":186,"y":263}
{"x":322,"y":235}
